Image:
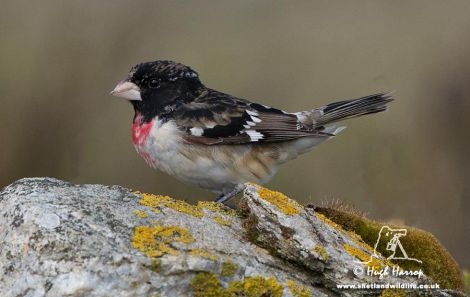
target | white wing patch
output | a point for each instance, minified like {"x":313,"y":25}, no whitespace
{"x":254,"y":135}
{"x":196,"y":131}
{"x":252,"y":113}
{"x":255,"y":119}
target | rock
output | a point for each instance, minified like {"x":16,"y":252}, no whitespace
{"x":60,"y":239}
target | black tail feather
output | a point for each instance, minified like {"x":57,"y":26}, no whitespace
{"x":347,"y":109}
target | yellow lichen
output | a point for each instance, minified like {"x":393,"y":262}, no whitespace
{"x":234,"y":289}
{"x":322,"y":252}
{"x":204,"y":254}
{"x":259,"y":286}
{"x":155,"y":241}
{"x":184,"y":207}
{"x":229,"y":268}
{"x":366,"y":258}
{"x":329,"y":222}
{"x":298,"y":290}
{"x":206,"y":284}
{"x":220,"y":220}
{"x":154,"y":201}
{"x":284,"y":203}
{"x":141,"y":214}
{"x":217,"y":207}
{"x":393,"y":293}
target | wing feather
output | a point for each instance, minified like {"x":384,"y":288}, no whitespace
{"x":225,"y":119}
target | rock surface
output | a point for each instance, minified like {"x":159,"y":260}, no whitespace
{"x":60,"y":239}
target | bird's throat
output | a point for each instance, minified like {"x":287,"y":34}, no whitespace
{"x":141,"y":130}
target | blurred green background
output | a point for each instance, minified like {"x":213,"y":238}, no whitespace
{"x":60,"y":59}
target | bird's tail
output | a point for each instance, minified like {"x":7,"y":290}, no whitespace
{"x":342,"y":110}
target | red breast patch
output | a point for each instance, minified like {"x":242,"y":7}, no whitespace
{"x":140,"y":130}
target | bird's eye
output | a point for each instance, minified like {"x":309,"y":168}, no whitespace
{"x":154,"y":83}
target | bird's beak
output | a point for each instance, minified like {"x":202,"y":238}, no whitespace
{"x":128,"y":90}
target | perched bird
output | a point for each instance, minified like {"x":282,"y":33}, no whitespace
{"x":217,"y":141}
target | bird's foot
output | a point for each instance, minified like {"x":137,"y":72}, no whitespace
{"x":225,"y":198}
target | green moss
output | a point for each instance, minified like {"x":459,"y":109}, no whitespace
{"x":355,"y":237}
{"x":362,"y":251}
{"x":298,"y":290}
{"x":155,"y":265}
{"x":467,"y":281}
{"x":437,"y":263}
{"x":206,"y":284}
{"x":229,"y":268}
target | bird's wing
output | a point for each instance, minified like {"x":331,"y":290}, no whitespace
{"x":217,"y":118}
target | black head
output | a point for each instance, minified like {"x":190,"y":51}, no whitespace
{"x":156,"y":88}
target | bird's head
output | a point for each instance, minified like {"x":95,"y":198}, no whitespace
{"x":156,"y":87}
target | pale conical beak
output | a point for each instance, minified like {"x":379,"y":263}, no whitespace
{"x":128,"y":90}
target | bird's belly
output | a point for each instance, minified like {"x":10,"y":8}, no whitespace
{"x":218,"y":168}
{"x":162,"y":146}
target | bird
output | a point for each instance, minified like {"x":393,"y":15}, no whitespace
{"x":217,"y":141}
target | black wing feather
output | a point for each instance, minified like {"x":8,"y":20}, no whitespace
{"x":231,"y":120}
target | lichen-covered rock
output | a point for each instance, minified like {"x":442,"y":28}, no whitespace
{"x":59,"y":239}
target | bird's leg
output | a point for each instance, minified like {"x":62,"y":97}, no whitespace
{"x":226,"y":197}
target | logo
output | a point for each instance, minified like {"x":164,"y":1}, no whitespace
{"x":394,"y":248}
{"x":388,"y":241}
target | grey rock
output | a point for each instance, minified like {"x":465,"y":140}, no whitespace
{"x":60,"y":239}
